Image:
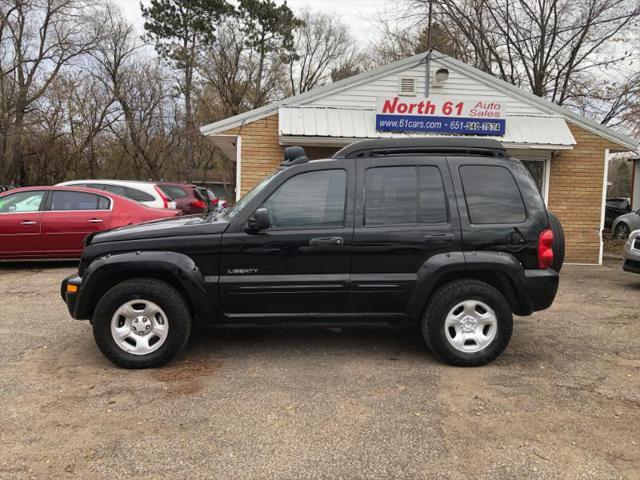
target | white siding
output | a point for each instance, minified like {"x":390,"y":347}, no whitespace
{"x":458,"y":85}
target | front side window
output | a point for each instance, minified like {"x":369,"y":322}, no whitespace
{"x":313,"y":199}
{"x":492,"y":195}
{"x":404,"y":195}
{"x":21,"y":202}
{"x":66,"y":200}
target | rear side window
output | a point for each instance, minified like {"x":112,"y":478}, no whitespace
{"x":132,"y":193}
{"x":404,"y":195}
{"x":492,"y":195}
{"x":63,"y":200}
{"x":173,"y":192}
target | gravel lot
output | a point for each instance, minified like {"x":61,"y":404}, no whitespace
{"x":562,"y":402}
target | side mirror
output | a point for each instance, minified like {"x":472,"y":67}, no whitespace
{"x":260,"y":220}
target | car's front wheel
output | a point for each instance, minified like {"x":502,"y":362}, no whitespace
{"x":622,"y":231}
{"x":141,"y":323}
{"x":467,"y":323}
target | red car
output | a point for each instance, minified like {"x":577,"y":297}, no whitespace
{"x":187,"y":197}
{"x":51,"y":222}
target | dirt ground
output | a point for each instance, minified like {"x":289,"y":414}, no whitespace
{"x":562,"y":402}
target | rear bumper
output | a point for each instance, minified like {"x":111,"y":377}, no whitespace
{"x":541,"y":287}
{"x":70,"y":297}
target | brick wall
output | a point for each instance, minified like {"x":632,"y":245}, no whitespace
{"x":575,"y":194}
{"x":575,"y":185}
{"x":261,"y":152}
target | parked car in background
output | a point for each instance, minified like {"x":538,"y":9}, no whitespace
{"x":187,"y":197}
{"x":625,"y":224}
{"x":52,"y":222}
{"x":631,"y":253}
{"x":146,"y":193}
{"x":614,"y":207}
{"x":215,"y":203}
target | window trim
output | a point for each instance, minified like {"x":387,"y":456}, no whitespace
{"x":418,"y":197}
{"x":310,"y":227}
{"x":50,"y":202}
{"x":466,"y":203}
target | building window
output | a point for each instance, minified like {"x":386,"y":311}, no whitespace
{"x":537,"y":170}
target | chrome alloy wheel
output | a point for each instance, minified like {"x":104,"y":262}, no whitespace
{"x":471,"y":326}
{"x":139,"y":327}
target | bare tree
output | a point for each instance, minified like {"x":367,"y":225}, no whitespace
{"x":322,"y":45}
{"x":547,"y":46}
{"x":39,"y":38}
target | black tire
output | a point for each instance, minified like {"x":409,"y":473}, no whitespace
{"x":622,"y":231}
{"x":558,"y":242}
{"x":163,"y":295}
{"x":444,"y":300}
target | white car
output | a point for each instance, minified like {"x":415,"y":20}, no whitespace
{"x":146,"y":193}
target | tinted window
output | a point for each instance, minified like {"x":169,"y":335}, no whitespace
{"x":433,"y":207}
{"x":390,"y":195}
{"x":309,"y":199}
{"x":64,"y":200}
{"x":492,"y":195}
{"x":132,"y":193}
{"x":138,"y":195}
{"x":21,"y":202}
{"x":173,"y":192}
{"x":395,"y":195}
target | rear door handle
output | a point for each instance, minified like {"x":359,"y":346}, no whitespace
{"x":95,"y":220}
{"x":314,"y":242}
{"x":438,"y":236}
{"x":28,"y":222}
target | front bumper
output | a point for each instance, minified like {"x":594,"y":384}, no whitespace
{"x":70,"y":297}
{"x":541,"y":287}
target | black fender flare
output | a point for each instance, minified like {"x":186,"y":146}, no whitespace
{"x":503,"y":267}
{"x":176,"y":268}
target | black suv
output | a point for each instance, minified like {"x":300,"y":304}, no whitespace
{"x":448,"y":234}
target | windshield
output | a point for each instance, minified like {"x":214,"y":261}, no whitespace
{"x":250,"y":194}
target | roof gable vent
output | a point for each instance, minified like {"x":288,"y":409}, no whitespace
{"x":407,"y":87}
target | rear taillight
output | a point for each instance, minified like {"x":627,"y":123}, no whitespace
{"x":214,"y":201}
{"x":545,"y":249}
{"x":163,"y":197}
{"x":198,"y":204}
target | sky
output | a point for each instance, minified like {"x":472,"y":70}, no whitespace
{"x":358,"y":15}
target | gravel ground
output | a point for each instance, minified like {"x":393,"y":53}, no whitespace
{"x":562,"y":402}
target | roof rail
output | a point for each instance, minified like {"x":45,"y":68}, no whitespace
{"x":429,"y":146}
{"x":294,"y":156}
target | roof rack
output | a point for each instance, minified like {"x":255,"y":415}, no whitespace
{"x":429,"y":146}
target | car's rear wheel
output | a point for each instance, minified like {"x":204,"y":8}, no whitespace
{"x":141,"y":323}
{"x":467,"y":323}
{"x":622,"y":231}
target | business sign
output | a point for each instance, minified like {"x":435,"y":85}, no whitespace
{"x":440,"y":113}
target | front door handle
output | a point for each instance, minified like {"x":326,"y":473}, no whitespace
{"x":28,"y":222}
{"x":95,"y":220}
{"x":314,"y":242}
{"x":438,"y":236}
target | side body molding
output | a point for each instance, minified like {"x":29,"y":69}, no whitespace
{"x":176,"y":268}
